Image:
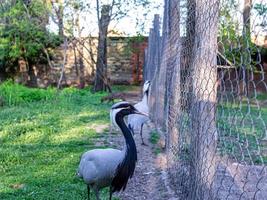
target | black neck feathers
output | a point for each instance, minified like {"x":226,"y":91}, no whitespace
{"x":146,"y":93}
{"x":126,"y":168}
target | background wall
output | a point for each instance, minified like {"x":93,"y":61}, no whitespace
{"x":125,"y":62}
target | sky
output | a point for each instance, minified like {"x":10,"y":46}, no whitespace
{"x":127,"y":25}
{"x":255,"y":18}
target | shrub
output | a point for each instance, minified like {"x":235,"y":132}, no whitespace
{"x":14,"y":94}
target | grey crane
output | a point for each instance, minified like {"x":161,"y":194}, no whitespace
{"x":136,"y":122}
{"x":101,"y":168}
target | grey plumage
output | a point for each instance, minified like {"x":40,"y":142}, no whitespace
{"x":100,"y":168}
{"x":136,"y":122}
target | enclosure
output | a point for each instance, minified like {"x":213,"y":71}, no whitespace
{"x":206,"y":61}
{"x":208,"y":94}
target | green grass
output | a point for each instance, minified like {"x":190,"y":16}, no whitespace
{"x":42,"y":137}
{"x":241,"y":129}
{"x":154,"y":139}
{"x":15,"y":94}
{"x":261,"y":97}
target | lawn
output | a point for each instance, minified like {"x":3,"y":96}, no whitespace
{"x":242,"y":128}
{"x":42,"y":137}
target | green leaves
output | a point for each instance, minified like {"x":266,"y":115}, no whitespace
{"x":261,"y":8}
{"x":23,"y":33}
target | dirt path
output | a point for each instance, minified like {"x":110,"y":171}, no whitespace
{"x":148,"y":182}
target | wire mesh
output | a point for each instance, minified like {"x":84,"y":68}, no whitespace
{"x":209,"y":95}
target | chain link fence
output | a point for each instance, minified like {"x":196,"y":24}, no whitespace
{"x":209,"y":96}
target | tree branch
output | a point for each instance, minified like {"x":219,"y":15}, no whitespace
{"x":64,"y":62}
{"x":98,"y":12}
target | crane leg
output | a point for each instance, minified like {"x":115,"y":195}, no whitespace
{"x":97,"y":194}
{"x":141,"y":134}
{"x":111,"y":125}
{"x":110,"y":193}
{"x":88,"y":192}
{"x":110,"y":128}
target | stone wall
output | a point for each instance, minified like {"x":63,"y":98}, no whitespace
{"x":125,"y":62}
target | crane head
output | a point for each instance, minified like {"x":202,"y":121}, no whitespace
{"x":125,"y":108}
{"x":146,"y":87}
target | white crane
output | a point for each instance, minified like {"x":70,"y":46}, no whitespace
{"x":101,"y":168}
{"x":136,"y":122}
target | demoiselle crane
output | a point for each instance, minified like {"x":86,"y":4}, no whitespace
{"x":136,"y":122}
{"x":112,"y":114}
{"x":101,"y":168}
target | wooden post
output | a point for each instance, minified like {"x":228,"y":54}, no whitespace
{"x":173,"y":86}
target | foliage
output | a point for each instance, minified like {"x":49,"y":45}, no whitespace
{"x":238,"y":49}
{"x":15,"y":94}
{"x":236,"y":44}
{"x":133,"y":44}
{"x":261,"y":10}
{"x":154,"y":137}
{"x":23,"y":33}
{"x":41,"y":144}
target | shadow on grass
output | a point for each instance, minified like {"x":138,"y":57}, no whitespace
{"x":41,"y":144}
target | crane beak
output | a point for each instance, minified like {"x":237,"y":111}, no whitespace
{"x":142,"y":113}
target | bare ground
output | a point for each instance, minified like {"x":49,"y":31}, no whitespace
{"x":232,"y":181}
{"x":237,"y":181}
{"x":149,"y":180}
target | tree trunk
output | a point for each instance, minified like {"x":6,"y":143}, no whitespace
{"x":81,"y":70}
{"x":246,"y":17}
{"x":3,"y":74}
{"x":246,"y":65}
{"x":32,"y":80}
{"x":188,"y":63}
{"x":173,"y":85}
{"x":80,"y":54}
{"x":203,"y":108}
{"x":60,"y":19}
{"x":101,"y":81}
{"x":62,"y":73}
{"x":23,"y":71}
{"x":75,"y":58}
